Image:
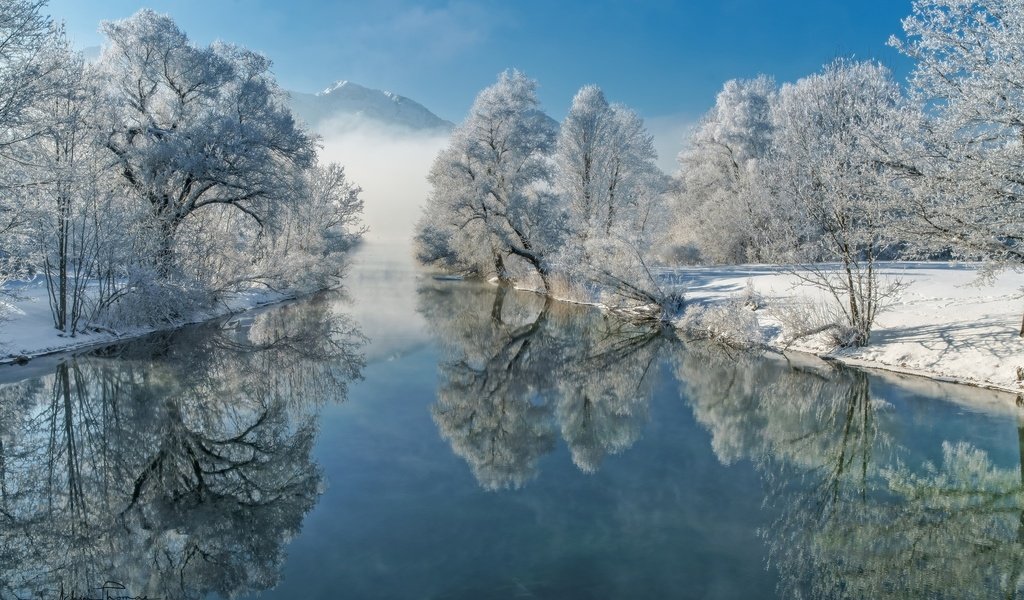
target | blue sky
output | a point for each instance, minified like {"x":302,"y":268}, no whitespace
{"x":666,"y":59}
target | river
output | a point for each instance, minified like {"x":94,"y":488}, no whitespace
{"x":423,"y":439}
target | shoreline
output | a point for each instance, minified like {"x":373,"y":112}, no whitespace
{"x":718,"y":279}
{"x":973,"y":345}
{"x":868,"y":365}
{"x":90,"y":341}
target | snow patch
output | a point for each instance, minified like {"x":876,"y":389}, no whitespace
{"x":945,"y":325}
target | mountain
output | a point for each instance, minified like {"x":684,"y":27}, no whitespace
{"x":349,"y":103}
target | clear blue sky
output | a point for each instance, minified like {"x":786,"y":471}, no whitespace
{"x":661,"y":57}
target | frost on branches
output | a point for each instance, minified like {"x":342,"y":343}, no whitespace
{"x":727,"y":210}
{"x":968,"y":161}
{"x":490,"y":211}
{"x":612,"y":195}
{"x":829,"y":160}
{"x":159,"y":179}
{"x":516,"y":198}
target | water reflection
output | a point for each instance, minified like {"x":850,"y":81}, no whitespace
{"x":177,"y":470}
{"x":857,"y":503}
{"x":519,"y":370}
{"x":863,"y":514}
{"x":181,"y":466}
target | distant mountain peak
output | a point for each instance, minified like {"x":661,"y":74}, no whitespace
{"x":337,"y":85}
{"x":347,"y":103}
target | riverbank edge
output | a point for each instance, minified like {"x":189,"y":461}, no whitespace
{"x":91,"y":341}
{"x":1015,"y":397}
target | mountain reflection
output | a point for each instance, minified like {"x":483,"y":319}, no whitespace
{"x":861,"y":513}
{"x":519,"y":370}
{"x":179,"y":469}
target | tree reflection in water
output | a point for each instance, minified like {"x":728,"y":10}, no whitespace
{"x":861,"y":515}
{"x":859,"y":511}
{"x":179,"y":469}
{"x":518,"y":369}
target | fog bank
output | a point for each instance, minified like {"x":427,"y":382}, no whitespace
{"x":390,"y":164}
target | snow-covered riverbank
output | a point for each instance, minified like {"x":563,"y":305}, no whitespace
{"x":27,"y":330}
{"x":943,"y":325}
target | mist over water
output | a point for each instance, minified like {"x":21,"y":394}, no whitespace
{"x":390,"y":164}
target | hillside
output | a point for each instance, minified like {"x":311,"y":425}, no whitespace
{"x":346,"y":101}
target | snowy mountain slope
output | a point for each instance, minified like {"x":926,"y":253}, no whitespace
{"x":347,"y":101}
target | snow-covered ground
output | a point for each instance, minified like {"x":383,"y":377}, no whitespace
{"x":27,"y":329}
{"x":944,"y":324}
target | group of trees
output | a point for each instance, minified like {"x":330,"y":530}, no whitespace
{"x":158,"y":178}
{"x":846,"y":166}
{"x":843,"y":166}
{"x":516,"y":197}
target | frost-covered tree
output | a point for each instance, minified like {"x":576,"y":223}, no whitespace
{"x":610,"y":187}
{"x":969,"y":162}
{"x":488,"y":211}
{"x":67,"y":192}
{"x":193,"y":129}
{"x":26,"y":35}
{"x":726,"y":210}
{"x":606,"y":172}
{"x":829,"y":163}
{"x":159,"y":178}
{"x":303,"y":246}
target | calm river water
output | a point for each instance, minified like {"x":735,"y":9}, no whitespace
{"x":419,"y":439}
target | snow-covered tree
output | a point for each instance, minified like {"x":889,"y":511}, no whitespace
{"x":829,"y":160}
{"x":968,"y":165}
{"x":606,"y":172}
{"x":194,"y":129}
{"x":610,"y":187}
{"x":726,"y":210}
{"x":488,"y":210}
{"x":26,"y":34}
{"x":306,"y":247}
{"x":66,"y":193}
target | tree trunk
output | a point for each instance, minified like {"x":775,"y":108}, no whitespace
{"x":165,"y":252}
{"x":499,"y":269}
{"x":1022,"y":327}
{"x":544,"y":279}
{"x":62,"y":266}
